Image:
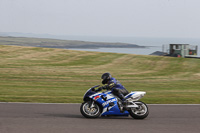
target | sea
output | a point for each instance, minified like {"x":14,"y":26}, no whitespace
{"x":152,"y":44}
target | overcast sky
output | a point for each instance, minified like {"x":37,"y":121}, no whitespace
{"x":139,"y":18}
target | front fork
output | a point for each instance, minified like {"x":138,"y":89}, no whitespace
{"x":91,"y":104}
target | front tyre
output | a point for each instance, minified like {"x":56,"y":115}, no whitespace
{"x":88,"y":112}
{"x":141,"y":112}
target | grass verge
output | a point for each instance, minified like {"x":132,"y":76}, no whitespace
{"x":29,"y":74}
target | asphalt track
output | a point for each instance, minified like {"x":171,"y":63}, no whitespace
{"x":66,"y":118}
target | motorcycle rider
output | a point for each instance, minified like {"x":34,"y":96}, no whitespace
{"x":115,"y":86}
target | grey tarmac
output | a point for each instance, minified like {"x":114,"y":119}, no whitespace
{"x":66,"y":118}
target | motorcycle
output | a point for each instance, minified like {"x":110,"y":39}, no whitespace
{"x":107,"y":104}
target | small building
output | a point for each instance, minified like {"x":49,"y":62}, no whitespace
{"x":181,"y":50}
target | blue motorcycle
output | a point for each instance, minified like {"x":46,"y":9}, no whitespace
{"x":106,"y":104}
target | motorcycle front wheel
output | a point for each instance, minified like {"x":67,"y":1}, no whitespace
{"x":140,"y":112}
{"x":90,"y":112}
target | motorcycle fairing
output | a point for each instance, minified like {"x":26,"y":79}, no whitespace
{"x":129,"y":95}
{"x":110,"y":106}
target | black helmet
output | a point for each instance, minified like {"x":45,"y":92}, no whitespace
{"x":106,"y":77}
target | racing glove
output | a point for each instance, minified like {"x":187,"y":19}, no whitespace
{"x":101,"y":88}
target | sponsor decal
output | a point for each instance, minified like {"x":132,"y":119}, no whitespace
{"x":109,"y":101}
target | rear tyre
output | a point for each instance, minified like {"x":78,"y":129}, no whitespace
{"x":141,"y":112}
{"x":92,"y":112}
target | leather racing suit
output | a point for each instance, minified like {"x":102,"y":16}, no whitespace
{"x":116,"y":88}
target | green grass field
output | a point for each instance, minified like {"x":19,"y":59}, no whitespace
{"x":29,"y":74}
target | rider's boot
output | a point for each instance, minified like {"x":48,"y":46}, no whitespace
{"x":123,"y":99}
{"x":120,"y":105}
{"x":123,"y":103}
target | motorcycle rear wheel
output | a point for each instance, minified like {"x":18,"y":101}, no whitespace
{"x":141,"y":112}
{"x":87,"y":112}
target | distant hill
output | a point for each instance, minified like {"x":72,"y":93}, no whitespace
{"x":56,"y":43}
